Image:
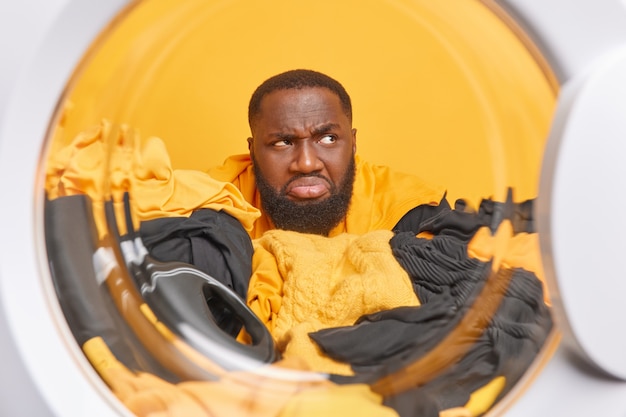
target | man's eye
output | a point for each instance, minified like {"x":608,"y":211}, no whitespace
{"x":328,"y":139}
{"x":282,"y":143}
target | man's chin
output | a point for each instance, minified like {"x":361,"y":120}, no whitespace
{"x":318,"y":217}
{"x":306,"y":215}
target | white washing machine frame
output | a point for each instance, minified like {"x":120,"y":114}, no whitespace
{"x":41,"y":42}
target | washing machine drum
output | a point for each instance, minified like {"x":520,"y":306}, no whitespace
{"x":152,"y":274}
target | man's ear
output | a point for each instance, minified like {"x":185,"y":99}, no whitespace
{"x":353,"y":141}
{"x":250,"y":140}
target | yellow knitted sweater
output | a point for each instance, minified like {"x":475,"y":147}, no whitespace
{"x":302,"y":283}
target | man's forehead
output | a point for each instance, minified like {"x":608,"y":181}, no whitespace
{"x":299,"y":108}
{"x":304,"y":96}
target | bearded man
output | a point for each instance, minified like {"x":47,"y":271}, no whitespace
{"x":302,"y":170}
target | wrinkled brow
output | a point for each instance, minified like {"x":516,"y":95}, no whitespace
{"x":325,"y":128}
{"x":317,"y":130}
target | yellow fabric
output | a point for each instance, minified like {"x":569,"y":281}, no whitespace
{"x":302,"y":283}
{"x":347,"y":400}
{"x":235,"y":394}
{"x":483,"y":398}
{"x":456,"y":412}
{"x":381,"y":196}
{"x":157,"y":190}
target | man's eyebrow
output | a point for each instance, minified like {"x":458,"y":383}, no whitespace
{"x":325,"y":128}
{"x":285,"y":136}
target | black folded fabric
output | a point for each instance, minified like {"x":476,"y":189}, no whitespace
{"x":215,"y":243}
{"x":462,"y":221}
{"x":440,"y":220}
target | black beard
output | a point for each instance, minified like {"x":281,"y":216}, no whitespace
{"x":313,"y":217}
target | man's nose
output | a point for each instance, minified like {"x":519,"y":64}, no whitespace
{"x":306,"y":158}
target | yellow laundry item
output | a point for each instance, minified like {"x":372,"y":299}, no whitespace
{"x":303,"y":283}
{"x":105,"y":161}
{"x":456,"y":412}
{"x":380,"y":196}
{"x":347,"y":400}
{"x":242,"y":394}
{"x":483,"y":398}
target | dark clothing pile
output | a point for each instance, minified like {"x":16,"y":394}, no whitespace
{"x":474,"y":324}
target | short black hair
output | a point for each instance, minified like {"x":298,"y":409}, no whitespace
{"x":298,"y":79}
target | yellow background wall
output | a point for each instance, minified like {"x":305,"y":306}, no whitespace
{"x":443,"y":89}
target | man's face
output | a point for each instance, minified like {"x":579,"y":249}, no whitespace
{"x":303,"y":154}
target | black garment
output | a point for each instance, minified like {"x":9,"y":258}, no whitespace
{"x":440,"y":220}
{"x":214,"y":242}
{"x":437,"y":265}
{"x":506,"y":347}
{"x":463,"y":221}
{"x":519,"y":214}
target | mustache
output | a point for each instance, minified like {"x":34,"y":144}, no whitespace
{"x":296,"y":177}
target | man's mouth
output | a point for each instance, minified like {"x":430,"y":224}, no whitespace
{"x":308,"y":188}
